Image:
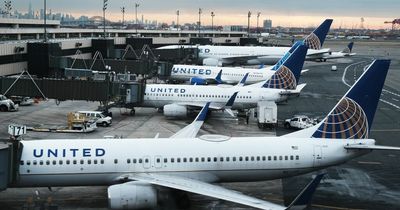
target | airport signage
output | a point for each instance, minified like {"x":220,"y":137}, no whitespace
{"x":16,"y":130}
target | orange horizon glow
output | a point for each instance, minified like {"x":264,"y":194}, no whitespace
{"x":223,"y":19}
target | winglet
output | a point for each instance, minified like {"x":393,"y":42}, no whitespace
{"x":305,"y":196}
{"x":203,"y":113}
{"x":316,"y":39}
{"x":286,"y":56}
{"x":229,"y":104}
{"x":218,"y":77}
{"x":243,"y":81}
{"x":191,"y":130}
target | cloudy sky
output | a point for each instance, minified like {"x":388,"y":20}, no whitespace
{"x":346,"y":13}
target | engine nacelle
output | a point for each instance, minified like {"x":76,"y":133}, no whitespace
{"x":198,"y":81}
{"x":132,"y":195}
{"x":174,"y":110}
{"x":211,"y":62}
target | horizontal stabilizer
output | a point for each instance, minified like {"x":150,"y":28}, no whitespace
{"x":370,"y":147}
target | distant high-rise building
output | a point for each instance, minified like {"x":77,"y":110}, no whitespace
{"x":30,"y":11}
{"x":267,"y":24}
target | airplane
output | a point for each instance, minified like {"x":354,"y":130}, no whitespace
{"x":346,"y":52}
{"x":256,"y":55}
{"x":178,"y":100}
{"x":202,"y":75}
{"x":135,"y":168}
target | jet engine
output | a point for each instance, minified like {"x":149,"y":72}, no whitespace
{"x":174,"y":110}
{"x":198,"y":81}
{"x":132,"y":195}
{"x":211,"y":62}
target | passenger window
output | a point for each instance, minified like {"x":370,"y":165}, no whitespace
{"x":102,"y":161}
{"x":286,"y":158}
{"x":269,"y":157}
{"x":158,"y":160}
{"x":41,"y":162}
{"x":215,"y":159}
{"x":34,"y":162}
{"x":140,"y":160}
{"x":221,"y":159}
{"x":291,"y":157}
{"x":208,"y":159}
{"x":280,"y":157}
{"x":227,"y":159}
{"x":165,"y":160}
{"x":263,"y":158}
{"x":146,"y":160}
{"x":115,"y":161}
{"x":196,"y":159}
{"x":275,"y":158}
{"x":134,"y":161}
{"x":67,"y":162}
{"x":190,"y":159}
{"x":54,"y":162}
{"x":172,"y":160}
{"x":60,"y":162}
{"x":28,"y":162}
{"x":297,"y":157}
{"x":128,"y":160}
{"x":178,"y":160}
{"x":74,"y":161}
{"x":246,"y":158}
{"x":82,"y":162}
{"x":234,"y":159}
{"x":89,"y":162}
{"x":21,"y":162}
{"x":184,"y":160}
{"x":240,"y":158}
{"x":252,"y":158}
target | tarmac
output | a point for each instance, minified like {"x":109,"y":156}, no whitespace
{"x":368,"y":182}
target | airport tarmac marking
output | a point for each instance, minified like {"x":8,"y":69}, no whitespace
{"x":390,"y":92}
{"x":369,"y":163}
{"x":347,"y":84}
{"x":394,"y":99}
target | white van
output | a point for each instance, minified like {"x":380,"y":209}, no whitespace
{"x":100,"y":118}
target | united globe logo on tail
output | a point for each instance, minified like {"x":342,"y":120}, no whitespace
{"x":347,"y":121}
{"x":282,"y":79}
{"x":313,"y":42}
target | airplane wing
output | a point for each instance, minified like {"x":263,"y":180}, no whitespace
{"x":302,"y":201}
{"x":191,"y":130}
{"x":294,"y":92}
{"x":318,"y":52}
{"x":203,"y":188}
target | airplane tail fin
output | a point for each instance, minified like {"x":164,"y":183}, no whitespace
{"x":305,"y":196}
{"x":353,"y":115}
{"x":349,"y":48}
{"x":288,"y":74}
{"x":286,"y":56}
{"x":316,"y":39}
{"x":229,"y":104}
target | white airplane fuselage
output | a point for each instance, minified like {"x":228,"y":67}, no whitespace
{"x":230,"y":75}
{"x":103,"y":161}
{"x":260,"y":54}
{"x":159,"y":95}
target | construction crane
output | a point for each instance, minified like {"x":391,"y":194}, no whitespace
{"x":394,"y":22}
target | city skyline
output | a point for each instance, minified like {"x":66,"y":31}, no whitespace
{"x":284,"y":13}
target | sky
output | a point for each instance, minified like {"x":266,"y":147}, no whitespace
{"x":301,"y":13}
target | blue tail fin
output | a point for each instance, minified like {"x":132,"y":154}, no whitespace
{"x":316,"y":39}
{"x":203,"y":113}
{"x":288,"y":74}
{"x":349,"y":48}
{"x":286,"y":56}
{"x":352,"y":117}
{"x":242,"y":82}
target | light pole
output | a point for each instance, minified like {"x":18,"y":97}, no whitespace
{"x":136,"y":6}
{"x":177,"y":19}
{"x":200,"y":11}
{"x":123,"y":16}
{"x":104,"y":17}
{"x":212,"y":21}
{"x":258,"y":17}
{"x":248,"y":23}
{"x":45,"y":22}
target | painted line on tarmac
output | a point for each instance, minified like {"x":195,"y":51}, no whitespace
{"x":390,"y":92}
{"x":348,"y":85}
